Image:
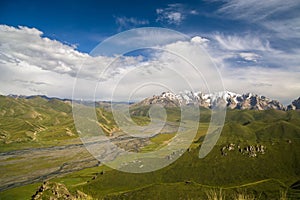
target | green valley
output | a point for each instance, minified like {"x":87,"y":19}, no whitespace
{"x":256,"y":157}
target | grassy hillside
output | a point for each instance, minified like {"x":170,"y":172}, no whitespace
{"x":236,"y":175}
{"x":266,"y":176}
{"x":34,"y":122}
{"x":40,"y":122}
{"x":231,"y":174}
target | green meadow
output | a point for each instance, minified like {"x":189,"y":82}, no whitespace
{"x":223,"y":174}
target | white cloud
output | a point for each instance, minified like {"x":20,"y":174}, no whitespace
{"x":25,"y":45}
{"x":241,"y":43}
{"x":171,"y":17}
{"x":249,"y":56}
{"x":256,"y":9}
{"x":284,"y":28}
{"x":175,"y":17}
{"x":27,"y":58}
{"x":194,"y":12}
{"x":266,"y":62}
{"x":174,"y":13}
{"x":276,"y":83}
{"x":282,"y":18}
{"x":252,"y":48}
{"x":238,"y":50}
{"x":130,"y":22}
{"x":249,"y":64}
{"x":200,"y":40}
{"x":32,"y":64}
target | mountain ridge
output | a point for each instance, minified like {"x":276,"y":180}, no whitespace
{"x":247,"y":101}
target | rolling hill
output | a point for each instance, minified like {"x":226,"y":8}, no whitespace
{"x":257,"y":155}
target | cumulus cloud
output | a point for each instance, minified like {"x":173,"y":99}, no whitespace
{"x":27,"y":58}
{"x":25,"y":45}
{"x":200,"y":40}
{"x":33,"y":64}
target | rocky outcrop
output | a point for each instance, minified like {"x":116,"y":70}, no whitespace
{"x":253,"y":150}
{"x":52,"y":190}
{"x":249,"y":150}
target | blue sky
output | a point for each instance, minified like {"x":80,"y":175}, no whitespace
{"x":255,"y":44}
{"x":86,"y":23}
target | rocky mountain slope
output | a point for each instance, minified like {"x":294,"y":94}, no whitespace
{"x":295,"y":105}
{"x":246,"y":101}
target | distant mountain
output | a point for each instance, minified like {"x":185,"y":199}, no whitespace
{"x":34,"y":96}
{"x":295,"y":105}
{"x":246,"y":101}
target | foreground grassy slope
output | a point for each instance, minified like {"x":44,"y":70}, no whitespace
{"x":266,"y":176}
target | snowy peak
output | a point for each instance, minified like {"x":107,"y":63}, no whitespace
{"x":295,"y":105}
{"x":247,"y":101}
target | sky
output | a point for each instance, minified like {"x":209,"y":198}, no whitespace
{"x":254,"y":44}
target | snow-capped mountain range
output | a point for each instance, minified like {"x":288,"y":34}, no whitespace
{"x":247,"y":101}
